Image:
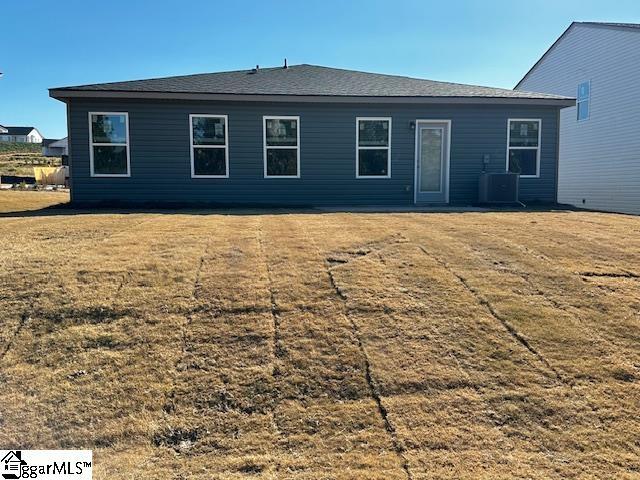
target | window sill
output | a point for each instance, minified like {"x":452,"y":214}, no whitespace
{"x":111,"y":175}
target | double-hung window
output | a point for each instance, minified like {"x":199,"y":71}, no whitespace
{"x":109,"y":144}
{"x":523,"y":146}
{"x":373,"y":147}
{"x":209,"y":146}
{"x":281,"y":147}
{"x":583,"y":97}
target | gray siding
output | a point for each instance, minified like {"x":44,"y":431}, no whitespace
{"x":160,"y":157}
{"x":599,"y":157}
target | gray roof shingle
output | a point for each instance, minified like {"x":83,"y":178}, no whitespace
{"x":19,"y":130}
{"x":613,"y":24}
{"x":306,"y":80}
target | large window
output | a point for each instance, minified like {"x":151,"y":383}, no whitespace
{"x":523,"y":147}
{"x":373,"y":147}
{"x":209,"y":146}
{"x":583,"y":98}
{"x":281,"y":147}
{"x":109,"y":144}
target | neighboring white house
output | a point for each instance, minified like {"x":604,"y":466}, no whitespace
{"x":599,"y":64}
{"x":55,"y":148}
{"x":3,"y":130}
{"x":21,"y":135}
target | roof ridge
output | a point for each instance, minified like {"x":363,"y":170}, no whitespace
{"x":612,"y":24}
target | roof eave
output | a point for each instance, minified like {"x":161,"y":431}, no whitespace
{"x":66,"y":94}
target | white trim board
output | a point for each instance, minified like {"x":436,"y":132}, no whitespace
{"x":126,"y":145}
{"x":538,"y":148}
{"x":225,"y":146}
{"x":387,"y":148}
{"x":283,"y":147}
{"x":447,"y":158}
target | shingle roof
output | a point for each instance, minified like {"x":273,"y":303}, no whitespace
{"x":19,"y":130}
{"x":306,"y":80}
{"x":612,"y":24}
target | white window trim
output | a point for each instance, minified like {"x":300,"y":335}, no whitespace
{"x":92,"y":144}
{"x":358,"y":148}
{"x":225,"y":146}
{"x":284,"y":147}
{"x":538,"y":148}
{"x":588,"y":100}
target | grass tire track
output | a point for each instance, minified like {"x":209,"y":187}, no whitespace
{"x":374,"y":389}
{"x":28,"y":311}
{"x":277,"y":349}
{"x":505,"y":323}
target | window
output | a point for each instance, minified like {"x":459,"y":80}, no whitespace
{"x":582,"y":104}
{"x":209,"y":146}
{"x":373,"y":147}
{"x":523,"y":147}
{"x":281,"y":147}
{"x":109,"y":144}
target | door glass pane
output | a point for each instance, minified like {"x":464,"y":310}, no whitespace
{"x":431,"y":159}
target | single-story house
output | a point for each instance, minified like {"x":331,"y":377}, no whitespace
{"x":306,"y":135}
{"x":20,"y":134}
{"x":55,"y":148}
{"x":3,"y":129}
{"x":599,"y":153}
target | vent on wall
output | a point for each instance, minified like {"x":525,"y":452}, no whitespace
{"x":499,"y":188}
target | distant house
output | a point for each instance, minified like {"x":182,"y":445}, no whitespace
{"x":55,"y":148}
{"x":3,"y":129}
{"x":306,"y":135}
{"x":20,"y":135}
{"x":599,"y":162}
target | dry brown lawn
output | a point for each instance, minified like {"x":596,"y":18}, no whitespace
{"x":203,"y":345}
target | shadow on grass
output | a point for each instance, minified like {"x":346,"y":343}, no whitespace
{"x":66,"y":209}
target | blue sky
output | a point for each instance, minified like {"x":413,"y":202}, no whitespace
{"x":57,"y":43}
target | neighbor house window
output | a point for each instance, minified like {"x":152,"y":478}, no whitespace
{"x":523,"y":140}
{"x":582,"y":104}
{"x":373,"y":147}
{"x":281,"y":147}
{"x":109,"y":144}
{"x":209,"y":146}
